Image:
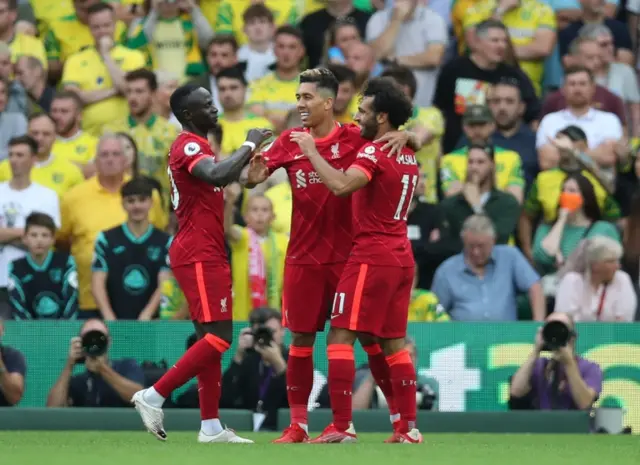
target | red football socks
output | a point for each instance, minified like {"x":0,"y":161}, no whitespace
{"x":203,"y":355}
{"x":342,"y":372}
{"x":403,"y":380}
{"x":299,"y":382}
{"x":209,"y":391}
{"x":380,"y":371}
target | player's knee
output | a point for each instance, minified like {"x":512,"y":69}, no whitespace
{"x":341,"y":336}
{"x":303,"y":339}
{"x":391,"y":346}
{"x":367,"y":339}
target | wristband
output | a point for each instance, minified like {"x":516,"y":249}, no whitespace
{"x":249,"y":144}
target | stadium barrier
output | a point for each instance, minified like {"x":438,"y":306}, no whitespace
{"x":471,"y":362}
{"x":369,"y":421}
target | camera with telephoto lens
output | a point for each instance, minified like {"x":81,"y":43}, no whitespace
{"x":94,"y":344}
{"x":262,"y":336}
{"x":555,"y":335}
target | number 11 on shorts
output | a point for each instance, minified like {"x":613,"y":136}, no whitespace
{"x":339,"y":299}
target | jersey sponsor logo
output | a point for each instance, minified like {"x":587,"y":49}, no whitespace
{"x":191,"y":149}
{"x":46,"y":304}
{"x":335,"y":151}
{"x":368,"y":156}
{"x":135,"y":280}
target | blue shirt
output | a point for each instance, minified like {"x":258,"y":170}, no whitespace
{"x":90,"y":390}
{"x":491,"y":297}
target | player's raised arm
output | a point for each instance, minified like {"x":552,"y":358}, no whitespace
{"x":341,"y":184}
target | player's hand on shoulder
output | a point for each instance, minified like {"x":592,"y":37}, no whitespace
{"x":258,"y":170}
{"x":305,"y":142}
{"x":259,"y":135}
{"x":394,"y":141}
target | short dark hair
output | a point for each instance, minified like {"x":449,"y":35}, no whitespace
{"x":574,"y":133}
{"x":143,"y":73}
{"x":137,"y":186}
{"x":576,"y":70}
{"x":40,"y":114}
{"x":261,"y":315}
{"x":388,"y":98}
{"x":488,"y":149}
{"x":24,"y":140}
{"x":40,"y":219}
{"x":12,"y":5}
{"x":99,"y":8}
{"x":403,"y":76}
{"x":291,"y":31}
{"x":342,"y":73}
{"x":176,"y":101}
{"x":233,"y":72}
{"x":68,"y":95}
{"x":322,"y":78}
{"x":257,"y":11}
{"x":224,"y":39}
{"x":484,"y":26}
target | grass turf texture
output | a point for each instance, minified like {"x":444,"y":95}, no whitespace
{"x":138,"y":448}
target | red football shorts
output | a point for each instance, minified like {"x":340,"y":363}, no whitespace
{"x":373,"y":299}
{"x":207,"y":289}
{"x":307,"y":295}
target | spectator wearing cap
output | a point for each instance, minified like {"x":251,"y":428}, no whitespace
{"x":481,"y":282}
{"x":466,"y":80}
{"x":411,"y":35}
{"x":478,"y":195}
{"x":603,"y":130}
{"x":478,"y":125}
{"x":586,"y":52}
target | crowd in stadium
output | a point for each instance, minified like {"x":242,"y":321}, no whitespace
{"x":528,"y":114}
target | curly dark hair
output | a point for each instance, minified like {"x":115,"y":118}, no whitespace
{"x":390,"y":99}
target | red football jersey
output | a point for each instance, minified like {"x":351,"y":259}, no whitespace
{"x":380,"y":208}
{"x":199,"y":206}
{"x":321,"y":231}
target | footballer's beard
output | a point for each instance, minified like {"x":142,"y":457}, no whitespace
{"x":68,"y":129}
{"x":369,"y":130}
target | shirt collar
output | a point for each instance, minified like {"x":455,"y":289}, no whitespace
{"x":467,"y":269}
{"x":149,"y":123}
{"x":589,"y":116}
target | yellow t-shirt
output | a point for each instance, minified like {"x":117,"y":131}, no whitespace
{"x":46,"y":11}
{"x":425,"y":306}
{"x":80,"y":148}
{"x":522,"y":22}
{"x":153,"y":139}
{"x":229,"y":20}
{"x":280,"y":196}
{"x":87,"y":210}
{"x":87,"y":71}
{"x":274,"y":249}
{"x":234,"y":133}
{"x":55,"y":173}
{"x":453,"y":167}
{"x":547,"y":187}
{"x":431,"y":119}
{"x":24,"y":45}
{"x":66,"y":36}
{"x":276,"y":96}
{"x":458,"y":12}
{"x":349,"y":115}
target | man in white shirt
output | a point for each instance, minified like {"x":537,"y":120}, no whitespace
{"x":258,"y":52}
{"x":603,"y":129}
{"x":18,"y":198}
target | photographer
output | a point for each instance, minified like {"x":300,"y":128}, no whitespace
{"x":13,"y":368}
{"x":255,"y":380}
{"x":563,"y":382}
{"x":105,"y":383}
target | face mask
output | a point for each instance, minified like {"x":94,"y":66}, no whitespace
{"x":570,"y":201}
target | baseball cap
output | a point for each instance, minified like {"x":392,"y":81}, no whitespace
{"x":477,"y":114}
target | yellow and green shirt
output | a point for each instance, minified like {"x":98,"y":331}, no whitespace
{"x":87,"y":71}
{"x":66,"y":35}
{"x":275,"y":95}
{"x":153,"y":139}
{"x":80,"y":148}
{"x":24,"y":45}
{"x":174,"y":47}
{"x":545,"y":193}
{"x":522,"y":23}
{"x":56,"y":173}
{"x":425,"y":306}
{"x":235,"y":132}
{"x":282,"y":201}
{"x":230,"y":21}
{"x":172,"y":298}
{"x":432,"y":120}
{"x":453,"y":167}
{"x":274,"y":249}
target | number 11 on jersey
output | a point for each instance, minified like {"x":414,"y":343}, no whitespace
{"x":405,"y":201}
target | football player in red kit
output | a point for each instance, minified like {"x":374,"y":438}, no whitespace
{"x":321,"y":236}
{"x":198,"y":258}
{"x":373,"y":294}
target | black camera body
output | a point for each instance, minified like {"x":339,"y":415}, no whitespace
{"x":262,"y":335}
{"x":94,"y":344}
{"x":555,"y":335}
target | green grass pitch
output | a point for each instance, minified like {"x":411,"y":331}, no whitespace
{"x":138,"y":448}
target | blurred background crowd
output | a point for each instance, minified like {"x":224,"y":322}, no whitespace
{"x":528,"y":111}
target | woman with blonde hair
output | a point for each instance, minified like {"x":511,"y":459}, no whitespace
{"x":596,"y":289}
